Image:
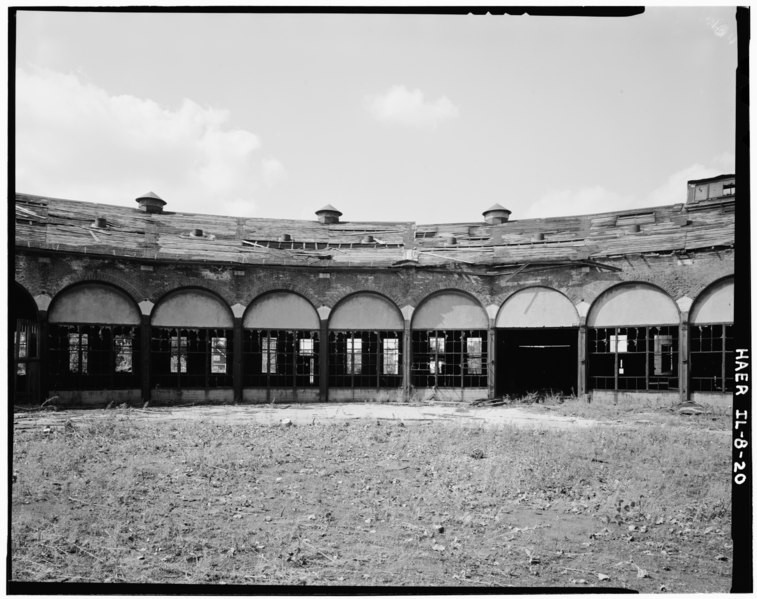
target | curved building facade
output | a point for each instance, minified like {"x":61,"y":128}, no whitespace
{"x":135,"y":304}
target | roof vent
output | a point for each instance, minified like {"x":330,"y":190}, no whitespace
{"x":449,"y":239}
{"x":151,"y":203}
{"x":634,"y":228}
{"x":367,"y":239}
{"x":285,"y":237}
{"x":328,"y":215}
{"x":496,"y":215}
{"x":197,"y":233}
{"x":100,"y":223}
{"x":537,"y":237}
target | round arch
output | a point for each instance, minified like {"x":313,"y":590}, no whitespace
{"x":93,"y":302}
{"x":22,"y":303}
{"x":450,"y":309}
{"x":192,"y":307}
{"x":715,"y":304}
{"x":366,"y":310}
{"x":633,"y":304}
{"x":537,"y":307}
{"x":281,"y":309}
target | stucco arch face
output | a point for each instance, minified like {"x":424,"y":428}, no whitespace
{"x":94,"y":303}
{"x":281,"y":310}
{"x":537,"y":307}
{"x":636,"y":304}
{"x":450,"y":310}
{"x":714,"y":305}
{"x":192,"y":308}
{"x":366,"y":311}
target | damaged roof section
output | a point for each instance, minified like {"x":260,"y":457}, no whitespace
{"x":67,"y":225}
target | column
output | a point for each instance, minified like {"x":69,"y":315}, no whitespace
{"x":406,"y":359}
{"x":683,"y":358}
{"x":44,"y":357}
{"x":323,"y":360}
{"x":236,"y":367}
{"x":581,"y":379}
{"x":145,"y":334}
{"x":491,"y":369}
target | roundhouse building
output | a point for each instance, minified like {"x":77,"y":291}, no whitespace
{"x":137,"y":303}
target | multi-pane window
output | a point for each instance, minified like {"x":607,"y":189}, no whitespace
{"x":365,"y":359}
{"x":93,"y":356}
{"x":190,"y":358}
{"x":280,"y":358}
{"x":449,"y":358}
{"x":633,"y":358}
{"x":711,"y":357}
{"x":25,"y":344}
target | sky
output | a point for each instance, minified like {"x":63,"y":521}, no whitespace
{"x":388,"y":117}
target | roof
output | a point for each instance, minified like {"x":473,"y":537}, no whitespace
{"x":66,"y":225}
{"x":710,"y":179}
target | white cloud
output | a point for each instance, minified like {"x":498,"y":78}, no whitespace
{"x":673,"y":191}
{"x":401,"y":105}
{"x":75,"y":140}
{"x":589,"y":200}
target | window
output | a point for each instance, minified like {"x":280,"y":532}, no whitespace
{"x":280,"y":358}
{"x":449,"y":358}
{"x":21,"y":352}
{"x":268,"y":355}
{"x":365,"y":359}
{"x":633,"y":358}
{"x":729,"y":189}
{"x":354,"y":356}
{"x":190,"y":358}
{"x":90,"y":356}
{"x":711,"y":357}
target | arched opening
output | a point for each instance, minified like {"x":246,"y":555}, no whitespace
{"x":365,"y":343}
{"x":26,"y":346}
{"x":537,"y":343}
{"x":93,"y":338}
{"x":632,"y":339}
{"x":281,"y":343}
{"x":711,"y":342}
{"x":192,"y":341}
{"x":449,"y":342}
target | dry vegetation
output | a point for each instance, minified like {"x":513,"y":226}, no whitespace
{"x":645,"y":507}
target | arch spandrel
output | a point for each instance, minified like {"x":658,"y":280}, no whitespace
{"x":537,"y":307}
{"x":281,"y":310}
{"x":635,"y":304}
{"x":93,"y":303}
{"x":450,"y":310}
{"x":192,"y":308}
{"x":366,"y":311}
{"x":714,"y":305}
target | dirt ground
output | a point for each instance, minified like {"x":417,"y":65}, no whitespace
{"x":372,"y":494}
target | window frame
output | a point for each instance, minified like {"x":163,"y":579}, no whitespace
{"x":193,"y":350}
{"x":293,"y":368}
{"x":373,"y":354}
{"x":722,"y":383}
{"x":641,"y":357}
{"x":451,"y":359}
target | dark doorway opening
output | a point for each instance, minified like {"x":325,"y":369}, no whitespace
{"x":537,"y":361}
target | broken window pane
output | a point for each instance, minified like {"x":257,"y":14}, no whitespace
{"x":123,"y":353}
{"x":306,"y":347}
{"x":218,"y":355}
{"x":474,"y":355}
{"x":354,"y":356}
{"x":391,"y":356}
{"x":178,"y":354}
{"x":269,"y":355}
{"x":663,"y":354}
{"x":619,"y":343}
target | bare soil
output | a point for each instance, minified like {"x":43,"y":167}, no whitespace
{"x":372,"y":494}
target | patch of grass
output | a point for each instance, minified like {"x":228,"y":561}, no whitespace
{"x":120,"y":499}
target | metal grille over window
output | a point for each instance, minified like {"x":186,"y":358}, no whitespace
{"x":368,"y":359}
{"x":711,"y":356}
{"x":191,"y":358}
{"x":280,"y":358}
{"x":449,"y":358}
{"x":90,"y":356}
{"x":633,"y":358}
